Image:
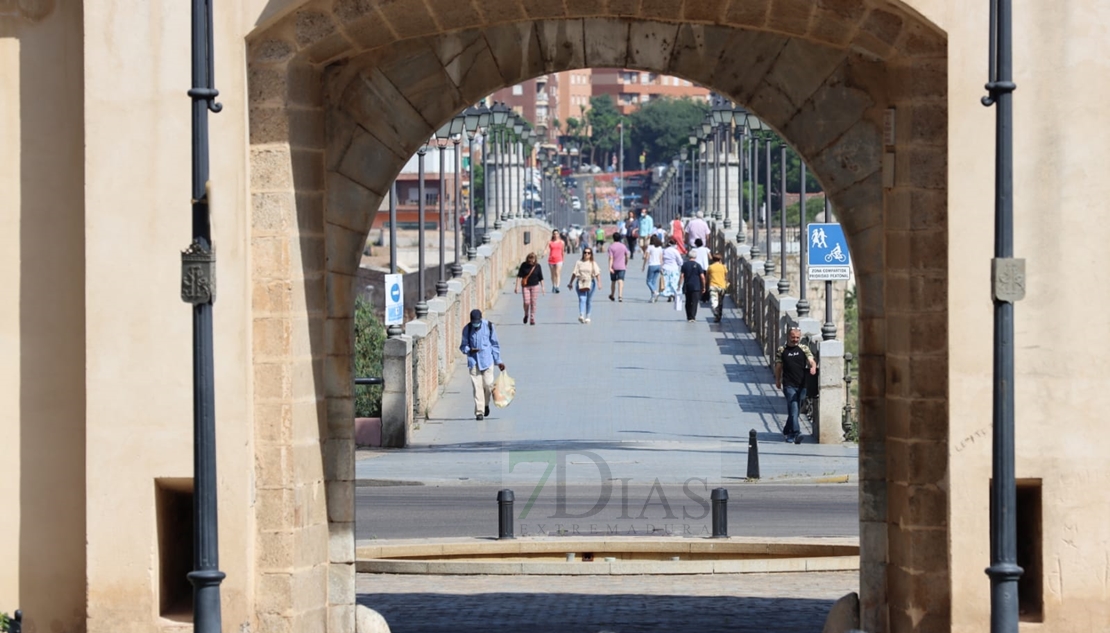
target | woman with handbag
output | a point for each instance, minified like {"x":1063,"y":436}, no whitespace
{"x":584,"y":279}
{"x":530,"y":278}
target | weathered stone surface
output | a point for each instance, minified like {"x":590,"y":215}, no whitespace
{"x":305,"y":85}
{"x":929,"y":250}
{"x":408,"y":19}
{"x":661,"y":9}
{"x":828,"y":113}
{"x":606,"y":43}
{"x":421,"y":78}
{"x":860,"y":206}
{"x":801,"y":67}
{"x":921,"y":41}
{"x":923,"y":79}
{"x":790,"y":16}
{"x":924,"y":167}
{"x":308,"y":169}
{"x":368,"y":162}
{"x":747,"y":57}
{"x":498,"y":11}
{"x":540,"y":9}
{"x":456,"y":15}
{"x":344,"y":248}
{"x":871,"y":295}
{"x":854,"y":156}
{"x":312,"y":25}
{"x":585,"y":8}
{"x":705,"y":10}
{"x":266,"y":85}
{"x":516,"y":49}
{"x":623,"y":8}
{"x":753,"y":13}
{"x":469,"y":63}
{"x":650,"y":45}
{"x":270,"y":50}
{"x":341,"y":616}
{"x":884,"y":25}
{"x":368,"y":30}
{"x":562,"y":44}
{"x":831,"y":27}
{"x":697,"y":48}
{"x":370,"y":97}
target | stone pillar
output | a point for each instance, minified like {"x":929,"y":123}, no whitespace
{"x":397,"y":413}
{"x":827,"y":428}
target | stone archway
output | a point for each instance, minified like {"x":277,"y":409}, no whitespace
{"x":343,"y":91}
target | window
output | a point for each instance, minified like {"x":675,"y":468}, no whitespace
{"x":518,"y":90}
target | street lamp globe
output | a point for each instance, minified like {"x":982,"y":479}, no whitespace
{"x":499,"y":113}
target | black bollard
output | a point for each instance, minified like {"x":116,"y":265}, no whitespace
{"x":16,"y":625}
{"x":753,"y":456}
{"x":505,"y":514}
{"x":719,"y":497}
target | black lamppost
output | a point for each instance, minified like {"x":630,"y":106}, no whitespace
{"x":828,"y":330}
{"x":458,"y":128}
{"x":722,"y":119}
{"x":682,"y":153}
{"x":710,"y":194}
{"x":1007,"y":287}
{"x":499,"y":114}
{"x":740,"y":118}
{"x":755,"y":127}
{"x":198,"y":288}
{"x":393,"y":331}
{"x":443,"y":137}
{"x":784,"y":283}
{"x":516,"y":164}
{"x":693,"y":141}
{"x":803,"y":244}
{"x":422,"y":303}
{"x":471,"y":120}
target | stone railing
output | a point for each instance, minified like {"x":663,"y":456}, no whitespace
{"x":769,"y":316}
{"x":418,"y":364}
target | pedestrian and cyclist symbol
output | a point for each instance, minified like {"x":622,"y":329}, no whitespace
{"x":828,"y":253}
{"x":394,"y":300}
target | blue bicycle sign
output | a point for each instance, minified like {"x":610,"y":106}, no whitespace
{"x":828,"y":253}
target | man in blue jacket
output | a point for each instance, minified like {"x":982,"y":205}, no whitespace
{"x":483,"y":351}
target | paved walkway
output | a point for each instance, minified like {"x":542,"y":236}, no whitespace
{"x":637,"y":394}
{"x":745,"y":603}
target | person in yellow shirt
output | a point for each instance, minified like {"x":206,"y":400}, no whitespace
{"x":718,"y":283}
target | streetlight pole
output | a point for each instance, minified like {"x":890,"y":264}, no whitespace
{"x":456,"y":266}
{"x":395,"y":330}
{"x":1008,"y":287}
{"x":693,"y":139}
{"x":443,"y":136}
{"x":769,"y":260}
{"x":784,"y":283}
{"x":682,"y":183}
{"x":421,"y":304}
{"x":803,"y":244}
{"x":471,"y":118}
{"x":828,"y":330}
{"x":740,"y":117}
{"x":198,"y":288}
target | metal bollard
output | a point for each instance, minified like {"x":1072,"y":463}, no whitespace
{"x":719,"y":497}
{"x":16,"y":625}
{"x":753,"y":456}
{"x":505,"y":514}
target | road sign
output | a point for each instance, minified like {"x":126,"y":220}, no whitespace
{"x":828,"y":253}
{"x":394,"y":300}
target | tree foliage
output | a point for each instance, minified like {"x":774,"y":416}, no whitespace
{"x":661,"y":129}
{"x":369,"y":340}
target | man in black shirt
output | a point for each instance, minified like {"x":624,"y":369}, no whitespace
{"x":691,"y":279}
{"x":791,"y":362}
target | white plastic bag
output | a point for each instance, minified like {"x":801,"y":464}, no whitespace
{"x":504,"y":389}
{"x":678,"y":305}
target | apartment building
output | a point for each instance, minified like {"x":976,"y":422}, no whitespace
{"x":631,"y":89}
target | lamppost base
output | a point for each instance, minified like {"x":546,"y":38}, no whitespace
{"x":717,"y":216}
{"x":394,"y":331}
{"x":497,"y":224}
{"x":485,"y":238}
{"x":768,"y":267}
{"x":728,"y":223}
{"x":741,"y":237}
{"x":755,"y":252}
{"x":828,"y":331}
{"x":784,"y":287}
{"x":456,"y":270}
{"x":802,"y":307}
{"x":471,"y":253}
{"x":441,"y":288}
{"x":421,"y":309}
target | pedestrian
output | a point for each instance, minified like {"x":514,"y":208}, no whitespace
{"x":585,"y":278}
{"x":672,"y":265}
{"x":618,"y":265}
{"x":599,"y":239}
{"x":483,"y":351}
{"x":692,"y":280}
{"x":653,"y":261}
{"x":679,"y":234}
{"x":697,"y":229}
{"x":555,"y":250}
{"x":631,"y":233}
{"x":529,"y":279}
{"x":701,"y":255}
{"x":573,"y":236}
{"x":647,"y":228}
{"x":717,"y":276}
{"x":791,"y":362}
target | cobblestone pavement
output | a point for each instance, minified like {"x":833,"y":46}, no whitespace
{"x":733,"y":603}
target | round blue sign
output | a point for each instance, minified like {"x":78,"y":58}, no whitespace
{"x":395,"y":292}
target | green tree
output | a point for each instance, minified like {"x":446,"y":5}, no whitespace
{"x":369,"y":340}
{"x":604,"y":117}
{"x":478,"y":189}
{"x":661,"y":128}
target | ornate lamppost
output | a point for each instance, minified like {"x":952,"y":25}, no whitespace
{"x":421,"y":303}
{"x":443,"y":138}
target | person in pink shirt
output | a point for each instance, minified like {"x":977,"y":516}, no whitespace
{"x":697,"y":229}
{"x":555,"y":251}
{"x":618,"y":265}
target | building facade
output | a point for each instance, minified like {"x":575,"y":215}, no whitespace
{"x":631,"y":89}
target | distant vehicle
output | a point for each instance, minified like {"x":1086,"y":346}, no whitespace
{"x":575,"y":203}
